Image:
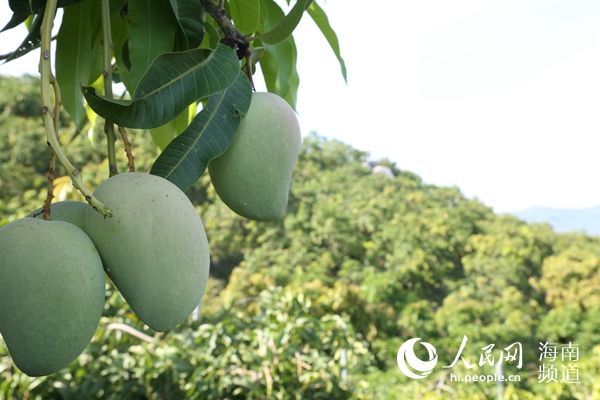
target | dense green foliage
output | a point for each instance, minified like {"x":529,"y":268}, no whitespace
{"x":169,"y":55}
{"x":360,"y":263}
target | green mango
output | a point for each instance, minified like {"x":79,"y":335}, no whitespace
{"x":68,"y":211}
{"x":154,"y":247}
{"x":51,"y":293}
{"x":252,"y":177}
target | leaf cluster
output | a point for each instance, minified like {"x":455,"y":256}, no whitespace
{"x":170,"y":57}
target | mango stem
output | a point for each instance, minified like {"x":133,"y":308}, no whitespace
{"x":49,"y":114}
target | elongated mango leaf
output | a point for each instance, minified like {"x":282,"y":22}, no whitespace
{"x":294,"y":79}
{"x":279,"y":69}
{"x":278,"y":63}
{"x":286,"y":26}
{"x":37,"y":6}
{"x":151,"y":33}
{"x":245,"y":14}
{"x":76,"y":56}
{"x":32,"y":41}
{"x":173,"y":82}
{"x":22,"y":9}
{"x":320,"y":18}
{"x":184,"y":160}
{"x":118,"y":28}
{"x":162,"y":135}
{"x":191,"y":30}
{"x":268,"y":66}
{"x":211,"y":38}
{"x":17,"y":19}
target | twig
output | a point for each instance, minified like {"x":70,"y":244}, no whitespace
{"x":220,"y":16}
{"x":132,"y":331}
{"x":128,"y":151}
{"x":109,"y":127}
{"x":51,"y":177}
{"x":52,"y":168}
{"x":249,"y":67}
{"x":233,"y":37}
{"x":48,"y":114}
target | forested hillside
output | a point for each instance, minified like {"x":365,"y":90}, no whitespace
{"x":317,"y":304}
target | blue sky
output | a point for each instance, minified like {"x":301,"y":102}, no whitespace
{"x":498,"y":97}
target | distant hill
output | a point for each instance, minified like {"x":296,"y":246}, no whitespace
{"x":564,"y":220}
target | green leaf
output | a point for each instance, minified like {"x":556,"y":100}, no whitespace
{"x":76,"y":56}
{"x":278,"y":63}
{"x":118,"y":27}
{"x":286,"y":26}
{"x":173,"y":82}
{"x":151,"y":32}
{"x":286,"y":81}
{"x":257,"y":53}
{"x":320,"y":18}
{"x":23,"y":9}
{"x":191,"y":30}
{"x":36,"y":6}
{"x":246,"y":15}
{"x":184,"y":160}
{"x":17,"y":19}
{"x":162,"y":135}
{"x":31,"y":42}
{"x":268,"y":66}
{"x":211,"y":38}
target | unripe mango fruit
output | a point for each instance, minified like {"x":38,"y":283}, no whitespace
{"x":154,"y":247}
{"x":252,"y":177}
{"x":51,"y":293}
{"x":68,"y":211}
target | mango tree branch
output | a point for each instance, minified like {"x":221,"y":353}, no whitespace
{"x":52,"y":168}
{"x":107,"y":47}
{"x":51,"y":176}
{"x":132,"y":331}
{"x":48,"y":112}
{"x":233,"y":37}
{"x":220,"y":16}
{"x":128,"y":151}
